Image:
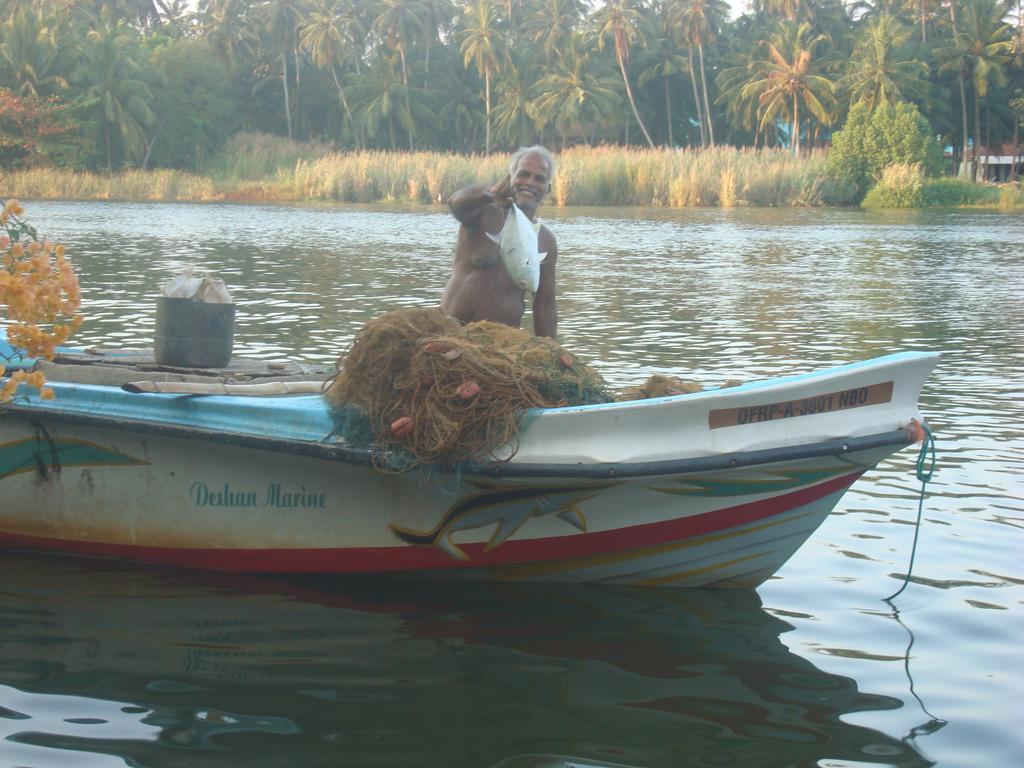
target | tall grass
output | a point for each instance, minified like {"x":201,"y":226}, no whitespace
{"x":722,"y":176}
{"x":1011,"y":197}
{"x":584,"y":176}
{"x":900,"y":187}
{"x":268,"y":168}
{"x":260,"y":157}
{"x":415,"y":177}
{"x":56,"y":183}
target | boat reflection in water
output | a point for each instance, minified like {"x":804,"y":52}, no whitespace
{"x":160,"y":668}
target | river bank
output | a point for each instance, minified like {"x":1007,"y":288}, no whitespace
{"x":604,"y":176}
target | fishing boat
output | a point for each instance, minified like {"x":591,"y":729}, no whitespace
{"x":713,"y":488}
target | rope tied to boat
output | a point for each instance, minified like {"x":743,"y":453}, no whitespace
{"x":924,"y":468}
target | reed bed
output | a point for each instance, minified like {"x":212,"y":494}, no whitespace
{"x":720,"y":176}
{"x":613,"y":176}
{"x":412,"y":177}
{"x":259,"y":157}
{"x":255,"y":167}
{"x":60,"y":184}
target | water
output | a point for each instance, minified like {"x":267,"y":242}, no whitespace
{"x":111,"y":665}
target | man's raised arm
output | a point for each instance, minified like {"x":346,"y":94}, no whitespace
{"x":469,"y":203}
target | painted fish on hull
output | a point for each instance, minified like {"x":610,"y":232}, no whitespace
{"x":517,"y":243}
{"x":508,"y":509}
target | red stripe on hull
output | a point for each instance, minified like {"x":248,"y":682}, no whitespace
{"x":413,"y":558}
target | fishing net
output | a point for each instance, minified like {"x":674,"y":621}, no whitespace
{"x":659,"y":385}
{"x":425,"y":390}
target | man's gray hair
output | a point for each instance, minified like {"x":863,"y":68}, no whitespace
{"x":538,"y":149}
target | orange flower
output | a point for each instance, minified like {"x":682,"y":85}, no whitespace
{"x":40,"y":292}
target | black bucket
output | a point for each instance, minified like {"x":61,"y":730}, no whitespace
{"x":193,"y":334}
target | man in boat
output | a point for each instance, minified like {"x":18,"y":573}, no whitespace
{"x":480,"y":287}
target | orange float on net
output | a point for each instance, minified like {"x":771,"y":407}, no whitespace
{"x":468,"y":389}
{"x":402,"y":427}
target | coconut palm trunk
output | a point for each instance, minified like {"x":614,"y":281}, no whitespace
{"x":284,"y":81}
{"x":977,"y":134}
{"x":1016,"y":148}
{"x":795,"y":125}
{"x":696,"y":100}
{"x":405,"y":88}
{"x":704,"y":87}
{"x":298,"y":91}
{"x":106,"y":137}
{"x":487,"y":111}
{"x":348,"y":112}
{"x":963,"y":90}
{"x":668,"y":111}
{"x":629,"y":93}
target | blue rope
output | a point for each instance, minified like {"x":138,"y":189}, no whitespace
{"x":924,"y":468}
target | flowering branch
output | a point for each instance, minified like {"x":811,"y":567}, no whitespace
{"x":40,"y":291}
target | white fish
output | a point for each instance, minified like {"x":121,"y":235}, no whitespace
{"x":517,"y":243}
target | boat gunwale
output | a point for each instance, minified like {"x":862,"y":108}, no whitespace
{"x":510,"y":469}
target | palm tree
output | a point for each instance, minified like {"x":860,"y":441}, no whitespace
{"x":329,"y":36}
{"x":30,"y":54}
{"x":379,"y":95}
{"x":663,"y":60}
{"x":986,"y":38}
{"x":574,"y":94}
{"x":514,"y":112}
{"x":1017,"y":100}
{"x":790,"y":10}
{"x":438,"y":16}
{"x":551,"y":24}
{"x":741,"y":107}
{"x":227,"y":27}
{"x":699,"y":22}
{"x":174,"y":16}
{"x":982,"y":49}
{"x":952,"y":59}
{"x":482,"y":45}
{"x":785,"y":76}
{"x":399,"y":23}
{"x":924,"y":11}
{"x":281,"y":19}
{"x":876,"y":72}
{"x":138,"y":13}
{"x":460,"y":102}
{"x":111,"y":84}
{"x":623,"y":23}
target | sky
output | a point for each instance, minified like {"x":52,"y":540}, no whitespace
{"x":738,"y":7}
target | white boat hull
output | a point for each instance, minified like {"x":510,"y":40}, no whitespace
{"x":717,"y":488}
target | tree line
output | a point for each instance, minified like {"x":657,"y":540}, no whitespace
{"x":109,"y":84}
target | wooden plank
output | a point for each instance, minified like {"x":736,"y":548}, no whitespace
{"x":263,"y":389}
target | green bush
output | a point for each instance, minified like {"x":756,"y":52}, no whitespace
{"x":899,"y":187}
{"x":872,"y":141}
{"x":948,"y":192}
